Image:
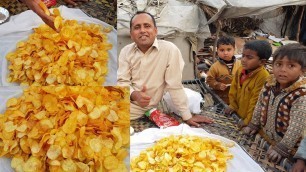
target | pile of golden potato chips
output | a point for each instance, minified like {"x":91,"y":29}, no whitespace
{"x":183,"y":153}
{"x":76,"y":55}
{"x":67,"y":128}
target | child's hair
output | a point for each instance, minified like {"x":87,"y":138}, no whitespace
{"x":295,"y":52}
{"x":263,"y":48}
{"x":226,"y":40}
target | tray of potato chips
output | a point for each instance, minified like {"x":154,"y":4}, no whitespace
{"x":182,"y":148}
{"x":82,"y":52}
{"x":64,"y":128}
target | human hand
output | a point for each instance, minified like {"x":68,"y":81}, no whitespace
{"x":299,"y":166}
{"x":228,"y":111}
{"x":72,"y":2}
{"x":141,"y":97}
{"x":248,"y":130}
{"x":273,"y":155}
{"x":223,"y":86}
{"x":196,"y":119}
{"x":241,"y":124}
{"x":40,"y":9}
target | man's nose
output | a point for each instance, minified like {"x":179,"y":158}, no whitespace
{"x":142,"y":29}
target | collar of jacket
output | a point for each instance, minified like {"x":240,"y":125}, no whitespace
{"x":301,"y":82}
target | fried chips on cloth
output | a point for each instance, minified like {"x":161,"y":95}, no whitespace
{"x":76,"y":55}
{"x":67,"y":128}
{"x":183,"y":153}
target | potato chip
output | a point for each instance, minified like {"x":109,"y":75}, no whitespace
{"x":44,"y":7}
{"x":33,"y":164}
{"x":56,"y":128}
{"x":69,"y":166}
{"x":11,"y":102}
{"x":56,"y":12}
{"x":57,"y":22}
{"x":76,"y":55}
{"x":113,"y":117}
{"x":110,"y":162}
{"x":183,"y":153}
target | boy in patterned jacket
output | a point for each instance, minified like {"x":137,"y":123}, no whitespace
{"x":220,"y":74}
{"x":280,"y":110}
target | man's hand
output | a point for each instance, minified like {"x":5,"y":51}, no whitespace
{"x":35,"y":7}
{"x":72,"y":2}
{"x":299,"y":166}
{"x":141,"y":97}
{"x":273,"y":155}
{"x":248,"y":131}
{"x":196,"y":119}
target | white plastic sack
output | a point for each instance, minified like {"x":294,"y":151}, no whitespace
{"x":194,"y":101}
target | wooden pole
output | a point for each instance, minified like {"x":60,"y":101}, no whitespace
{"x":299,"y":25}
{"x":217,"y":37}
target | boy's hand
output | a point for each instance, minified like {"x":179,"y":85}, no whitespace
{"x":196,"y":119}
{"x":299,"y":166}
{"x":228,"y":111}
{"x":241,"y":124}
{"x":248,"y":130}
{"x":273,"y":155}
{"x":223,"y":86}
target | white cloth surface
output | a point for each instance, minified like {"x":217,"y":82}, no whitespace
{"x":20,"y":26}
{"x":240,"y":163}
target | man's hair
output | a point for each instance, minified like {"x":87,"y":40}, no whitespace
{"x":142,"y":12}
{"x":263,"y":48}
{"x":295,"y":52}
{"x":226,"y":40}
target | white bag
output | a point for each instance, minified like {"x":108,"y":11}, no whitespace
{"x":194,"y":101}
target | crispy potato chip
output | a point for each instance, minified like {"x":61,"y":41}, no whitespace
{"x":56,"y":12}
{"x":53,"y":152}
{"x":75,"y":55}
{"x":183,"y":153}
{"x":11,"y":102}
{"x":113,"y":117}
{"x":110,"y":162}
{"x":57,"y":22}
{"x":64,"y":128}
{"x":33,"y":164}
{"x":69,"y":166}
{"x":44,"y":7}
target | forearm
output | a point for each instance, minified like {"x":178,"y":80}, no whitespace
{"x":180,"y":101}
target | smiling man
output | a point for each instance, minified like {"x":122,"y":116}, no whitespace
{"x":150,"y":67}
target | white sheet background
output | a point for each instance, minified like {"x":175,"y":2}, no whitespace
{"x":241,"y":162}
{"x":20,"y":26}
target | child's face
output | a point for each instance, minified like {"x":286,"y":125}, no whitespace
{"x":226,"y":52}
{"x":286,"y":71}
{"x":250,"y":60}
